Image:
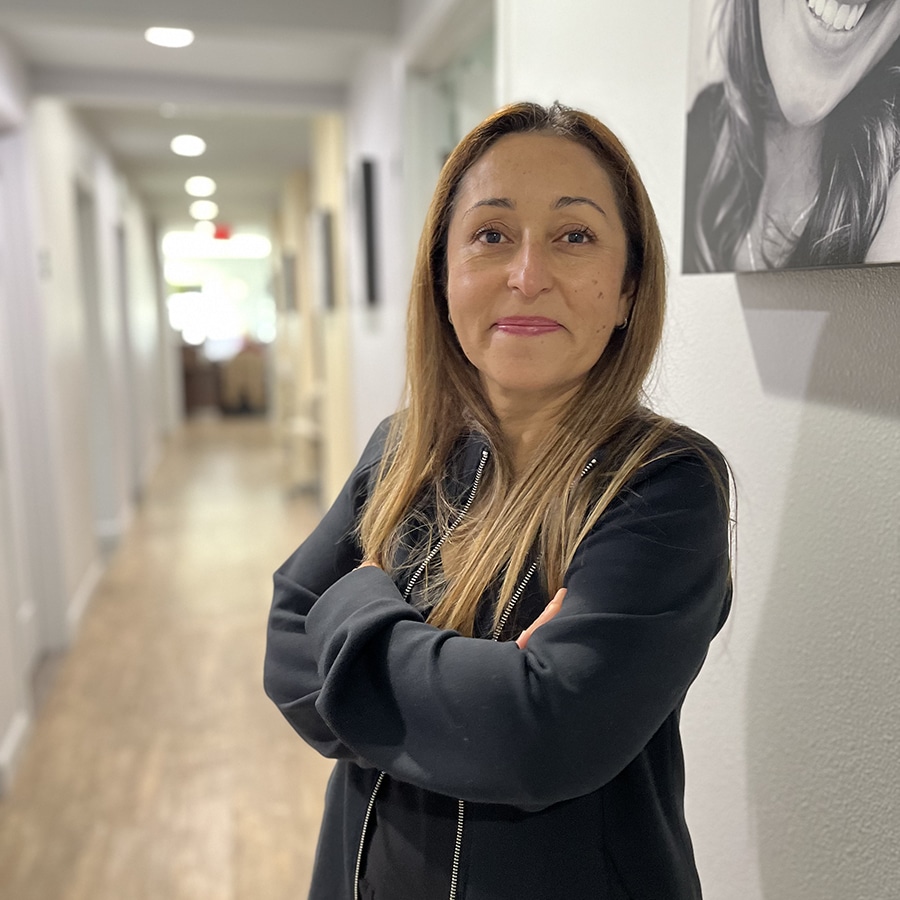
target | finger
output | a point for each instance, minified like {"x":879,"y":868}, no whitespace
{"x":556,"y":602}
{"x":525,"y":636}
{"x":549,"y":611}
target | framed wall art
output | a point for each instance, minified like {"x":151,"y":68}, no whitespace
{"x":793,"y":135}
{"x":370,"y":245}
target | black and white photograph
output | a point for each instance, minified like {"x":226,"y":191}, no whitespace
{"x":793,"y":135}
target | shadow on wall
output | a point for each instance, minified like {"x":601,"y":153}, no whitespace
{"x":822,"y":705}
{"x":827,"y":336}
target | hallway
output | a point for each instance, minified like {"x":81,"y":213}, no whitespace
{"x":158,"y":769}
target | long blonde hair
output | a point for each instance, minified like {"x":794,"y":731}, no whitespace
{"x":549,"y":507}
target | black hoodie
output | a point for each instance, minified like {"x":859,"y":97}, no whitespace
{"x":563,"y":760}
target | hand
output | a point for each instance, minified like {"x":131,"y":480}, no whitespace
{"x":550,"y":610}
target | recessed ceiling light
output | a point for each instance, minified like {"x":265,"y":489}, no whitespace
{"x":200,"y":186}
{"x":188,"y":145}
{"x":170,"y":37}
{"x":204,"y":209}
{"x":205,"y":227}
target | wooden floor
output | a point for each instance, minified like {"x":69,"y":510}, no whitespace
{"x":158,"y":769}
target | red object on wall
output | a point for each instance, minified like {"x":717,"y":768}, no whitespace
{"x":222,"y":232}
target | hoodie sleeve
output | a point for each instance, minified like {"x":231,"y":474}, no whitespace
{"x":290,"y":676}
{"x":484,"y":721}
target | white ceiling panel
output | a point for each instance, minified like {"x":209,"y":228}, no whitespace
{"x":310,"y":57}
{"x":249,"y":85}
{"x":361,"y":16}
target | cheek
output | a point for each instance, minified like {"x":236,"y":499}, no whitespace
{"x":598,"y":312}
{"x":466,"y":290}
{"x":455,"y":294}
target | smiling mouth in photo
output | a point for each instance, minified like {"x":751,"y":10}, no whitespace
{"x":837,"y":16}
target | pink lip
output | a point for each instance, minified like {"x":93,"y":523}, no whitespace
{"x":526,"y":325}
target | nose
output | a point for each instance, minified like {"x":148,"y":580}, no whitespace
{"x":529,"y":270}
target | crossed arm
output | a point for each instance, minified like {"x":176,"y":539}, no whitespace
{"x":360,"y":675}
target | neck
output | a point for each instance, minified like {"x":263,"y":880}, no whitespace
{"x":526,"y":419}
{"x":789,"y":193}
{"x":792,"y":163}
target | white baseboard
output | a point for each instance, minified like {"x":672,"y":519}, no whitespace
{"x":113,"y":528}
{"x":111,"y":531}
{"x":82,"y":596}
{"x":151,"y":463}
{"x":11,"y":746}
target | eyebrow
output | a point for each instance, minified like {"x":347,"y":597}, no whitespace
{"x":571,"y":201}
{"x":503,"y":202}
{"x":562,"y":203}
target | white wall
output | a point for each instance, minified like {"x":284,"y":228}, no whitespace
{"x":148,"y":364}
{"x":378,"y":334}
{"x":17,"y":639}
{"x":13,"y":90}
{"x":28,"y":580}
{"x":51,"y":509}
{"x":111,"y":396}
{"x":103,"y":341}
{"x":63,"y":160}
{"x":408,"y":105}
{"x":329,"y":194}
{"x":792,"y":731}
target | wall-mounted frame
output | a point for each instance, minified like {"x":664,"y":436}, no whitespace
{"x":370,"y":242}
{"x":793,"y":136}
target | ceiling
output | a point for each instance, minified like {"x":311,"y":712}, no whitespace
{"x":249,"y":85}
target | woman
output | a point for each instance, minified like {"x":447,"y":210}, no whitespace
{"x":493,"y":628}
{"x":791,"y":158}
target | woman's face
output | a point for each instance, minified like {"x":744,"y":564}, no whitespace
{"x":536,"y":255}
{"x":818,"y":50}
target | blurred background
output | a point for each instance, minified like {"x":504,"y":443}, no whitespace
{"x":208,"y":215}
{"x":206,"y":241}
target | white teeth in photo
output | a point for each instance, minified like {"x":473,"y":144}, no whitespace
{"x":839,"y":16}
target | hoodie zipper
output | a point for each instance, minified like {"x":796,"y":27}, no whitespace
{"x":451,"y":527}
{"x":406,"y":594}
{"x":498,"y":630}
{"x":461,"y":814}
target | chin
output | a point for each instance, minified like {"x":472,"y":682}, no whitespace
{"x":801,"y":111}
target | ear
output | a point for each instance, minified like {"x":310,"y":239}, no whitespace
{"x":626,"y":301}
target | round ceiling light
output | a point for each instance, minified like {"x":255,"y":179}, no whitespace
{"x":188,"y":145}
{"x":200,"y":186}
{"x":170,"y":37}
{"x":204,"y":209}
